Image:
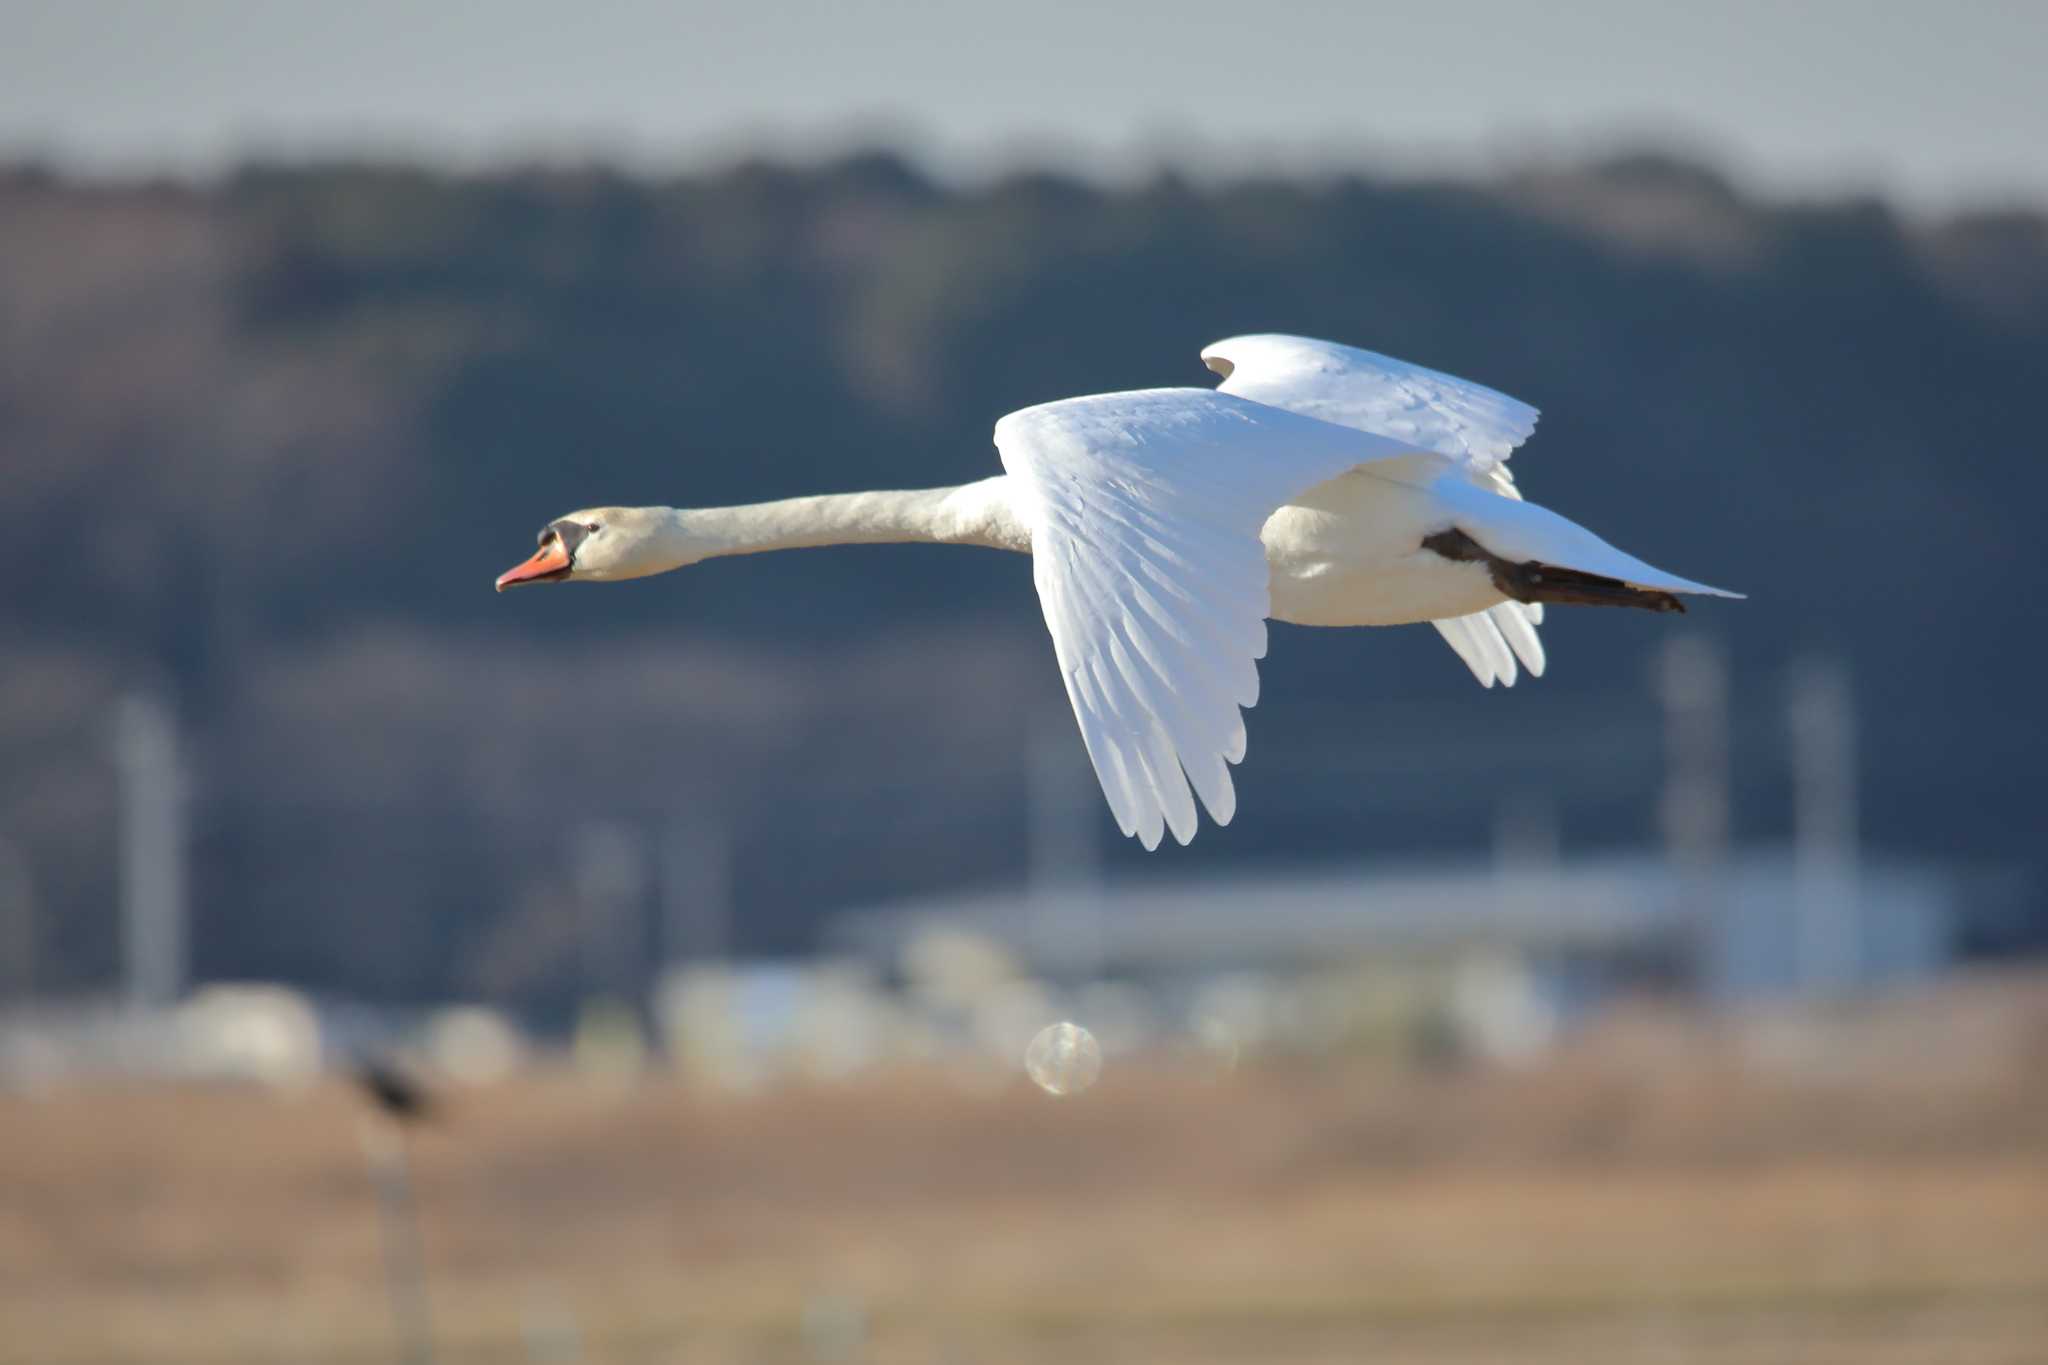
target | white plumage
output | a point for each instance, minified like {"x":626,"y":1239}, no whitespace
{"x":1145,"y":520}
{"x":1167,"y":526}
{"x":1157,"y":558}
{"x":1418,"y":408}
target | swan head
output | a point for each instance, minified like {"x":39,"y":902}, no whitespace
{"x":604,"y":545}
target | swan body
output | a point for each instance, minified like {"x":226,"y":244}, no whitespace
{"x":1348,"y":553}
{"x":1318,"y":484}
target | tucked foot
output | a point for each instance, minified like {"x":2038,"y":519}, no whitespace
{"x":1536,"y":582}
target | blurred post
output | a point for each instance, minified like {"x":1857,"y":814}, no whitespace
{"x":696,"y":891}
{"x":1821,"y":713}
{"x":384,"y":1149}
{"x":152,"y":837}
{"x":1526,"y":850}
{"x":1063,"y":861}
{"x":17,"y":927}
{"x":611,"y":888}
{"x":609,"y":865}
{"x":1526,"y":841}
{"x":1692,"y":683}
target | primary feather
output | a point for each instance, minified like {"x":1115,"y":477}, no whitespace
{"x":1145,"y":513}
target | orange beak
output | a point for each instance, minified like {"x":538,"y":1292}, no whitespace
{"x":549,"y":562}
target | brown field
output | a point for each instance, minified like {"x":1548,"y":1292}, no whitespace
{"x":1657,"y":1193}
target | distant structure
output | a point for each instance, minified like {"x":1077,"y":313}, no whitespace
{"x":696,"y":890}
{"x":152,"y":835}
{"x":1730,"y":924}
{"x":1692,"y":682}
{"x":1822,"y":721}
{"x":1064,"y":867}
{"x":17,"y":927}
{"x":610,"y":871}
{"x":1526,"y":837}
{"x":1586,"y":928}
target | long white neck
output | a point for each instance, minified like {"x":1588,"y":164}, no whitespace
{"x":969,"y":514}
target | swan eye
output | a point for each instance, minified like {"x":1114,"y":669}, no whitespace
{"x":590,"y":526}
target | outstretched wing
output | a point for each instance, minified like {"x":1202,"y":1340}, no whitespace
{"x":1474,"y":427}
{"x":1145,"y":510}
{"x":1422,"y":409}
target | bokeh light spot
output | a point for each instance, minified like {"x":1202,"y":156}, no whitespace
{"x":1064,"y":1059}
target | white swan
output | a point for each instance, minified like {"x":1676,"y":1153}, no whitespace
{"x":1319,"y":484}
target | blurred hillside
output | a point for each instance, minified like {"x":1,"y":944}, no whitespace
{"x":267,"y":442}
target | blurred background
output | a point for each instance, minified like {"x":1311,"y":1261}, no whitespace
{"x":392,"y":970}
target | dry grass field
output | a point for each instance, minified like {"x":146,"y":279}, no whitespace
{"x":1664,"y":1191}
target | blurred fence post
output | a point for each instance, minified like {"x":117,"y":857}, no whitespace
{"x":696,"y":890}
{"x":1821,"y":715}
{"x":385,"y":1151}
{"x":1526,"y":838}
{"x":152,"y":837}
{"x":17,"y":927}
{"x":1063,"y":859}
{"x":610,"y":872}
{"x":1692,"y":683}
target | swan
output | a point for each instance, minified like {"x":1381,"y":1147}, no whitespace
{"x":1318,"y":484}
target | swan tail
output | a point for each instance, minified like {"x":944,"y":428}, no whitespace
{"x":1536,"y":555}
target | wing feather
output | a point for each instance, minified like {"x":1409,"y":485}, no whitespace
{"x":1458,"y":634}
{"x":1145,"y":510}
{"x":1479,"y":640}
{"x":1516,"y":622}
{"x":1421,"y":408}
{"x":1470,"y":425}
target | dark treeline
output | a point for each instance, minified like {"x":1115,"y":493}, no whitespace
{"x":265,"y":443}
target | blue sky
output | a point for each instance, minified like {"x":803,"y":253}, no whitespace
{"x":1937,"y":105}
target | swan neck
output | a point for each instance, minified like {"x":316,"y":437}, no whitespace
{"x":966,"y":514}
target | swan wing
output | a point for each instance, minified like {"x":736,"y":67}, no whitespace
{"x":1424,"y":409}
{"x":1145,"y":510}
{"x":1470,"y":425}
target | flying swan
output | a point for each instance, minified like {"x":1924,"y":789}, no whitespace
{"x":1318,"y":484}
